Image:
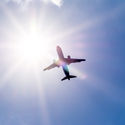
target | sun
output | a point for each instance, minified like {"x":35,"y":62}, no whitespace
{"x":33,"y":44}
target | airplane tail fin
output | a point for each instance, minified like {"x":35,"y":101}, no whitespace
{"x":68,"y":77}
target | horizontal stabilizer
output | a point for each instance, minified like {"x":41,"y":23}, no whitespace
{"x":68,"y":77}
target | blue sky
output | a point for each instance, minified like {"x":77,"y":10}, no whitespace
{"x":91,"y":29}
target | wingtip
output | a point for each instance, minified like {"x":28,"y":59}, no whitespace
{"x":44,"y":69}
{"x":84,"y":60}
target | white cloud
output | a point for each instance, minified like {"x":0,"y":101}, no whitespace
{"x":19,"y":1}
{"x":23,"y":4}
{"x":26,"y":2}
{"x":57,"y":2}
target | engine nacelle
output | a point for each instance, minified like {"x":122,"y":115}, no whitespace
{"x":55,"y":62}
{"x":69,"y":57}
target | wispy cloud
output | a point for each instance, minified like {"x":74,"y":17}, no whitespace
{"x":19,"y":1}
{"x":58,"y":3}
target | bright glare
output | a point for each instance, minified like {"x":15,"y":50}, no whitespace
{"x":33,"y":44}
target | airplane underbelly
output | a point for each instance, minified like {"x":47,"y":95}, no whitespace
{"x":60,"y":63}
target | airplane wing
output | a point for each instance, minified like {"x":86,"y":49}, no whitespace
{"x":71,"y":60}
{"x":50,"y":67}
{"x":60,"y":53}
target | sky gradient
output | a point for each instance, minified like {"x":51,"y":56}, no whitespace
{"x":90,"y":29}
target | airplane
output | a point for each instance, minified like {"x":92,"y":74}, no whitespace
{"x":63,"y":62}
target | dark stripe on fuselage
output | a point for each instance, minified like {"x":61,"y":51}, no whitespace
{"x":66,"y":70}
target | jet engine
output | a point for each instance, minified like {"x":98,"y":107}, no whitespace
{"x":68,"y":57}
{"x":55,"y":62}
